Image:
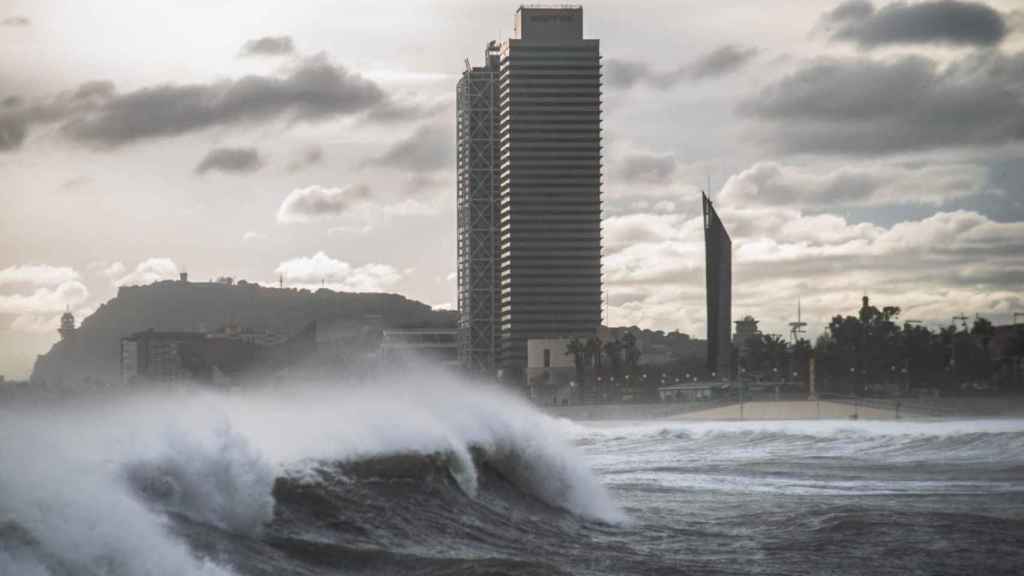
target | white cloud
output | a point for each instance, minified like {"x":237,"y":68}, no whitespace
{"x":45,"y":300}
{"x":36,"y":323}
{"x":46,"y":323}
{"x":114,"y":271}
{"x":37,"y":275}
{"x":317,"y":202}
{"x":932,"y":267}
{"x":146,"y":272}
{"x":322,"y":270}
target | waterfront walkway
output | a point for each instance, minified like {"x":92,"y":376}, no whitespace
{"x":824,"y":408}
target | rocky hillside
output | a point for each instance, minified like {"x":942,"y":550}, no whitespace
{"x":92,"y":355}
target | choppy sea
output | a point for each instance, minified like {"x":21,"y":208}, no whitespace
{"x":414,"y":477}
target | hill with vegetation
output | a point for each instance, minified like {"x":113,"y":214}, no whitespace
{"x":91,"y":356}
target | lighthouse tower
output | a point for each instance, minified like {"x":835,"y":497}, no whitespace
{"x":67,"y":325}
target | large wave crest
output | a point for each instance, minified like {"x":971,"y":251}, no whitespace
{"x":95,"y":486}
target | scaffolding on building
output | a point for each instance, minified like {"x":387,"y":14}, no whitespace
{"x":477,"y":215}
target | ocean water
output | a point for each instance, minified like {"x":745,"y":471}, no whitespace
{"x":419,"y":475}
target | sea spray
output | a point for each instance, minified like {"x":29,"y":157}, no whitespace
{"x":216,"y":477}
{"x":67,"y":510}
{"x":92,"y":482}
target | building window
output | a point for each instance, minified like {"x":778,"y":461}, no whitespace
{"x":547,"y":358}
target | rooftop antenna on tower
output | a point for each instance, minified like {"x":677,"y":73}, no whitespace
{"x":796,"y":329}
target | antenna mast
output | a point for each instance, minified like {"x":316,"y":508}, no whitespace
{"x":796,"y":329}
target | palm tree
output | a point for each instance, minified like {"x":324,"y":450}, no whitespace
{"x":632,"y":352}
{"x":775,"y":350}
{"x":611,"y":350}
{"x":594,"y":347}
{"x":800,"y":354}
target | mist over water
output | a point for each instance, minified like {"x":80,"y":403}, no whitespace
{"x":417,"y":473}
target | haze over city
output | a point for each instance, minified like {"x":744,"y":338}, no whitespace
{"x":851,"y":147}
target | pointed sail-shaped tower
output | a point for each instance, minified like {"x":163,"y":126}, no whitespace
{"x":718,"y":271}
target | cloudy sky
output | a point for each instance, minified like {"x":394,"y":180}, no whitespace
{"x":850,"y":147}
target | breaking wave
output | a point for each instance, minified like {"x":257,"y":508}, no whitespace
{"x":265,"y":481}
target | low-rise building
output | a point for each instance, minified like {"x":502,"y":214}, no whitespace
{"x":436,"y":344}
{"x":550,"y":370}
{"x":161,"y":356}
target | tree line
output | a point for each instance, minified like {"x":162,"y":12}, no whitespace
{"x":871,"y":352}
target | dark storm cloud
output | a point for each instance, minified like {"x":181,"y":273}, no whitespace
{"x":268,"y":46}
{"x":319,"y":202}
{"x":429,"y":148}
{"x":314,"y":90}
{"x":625,"y":73}
{"x":647,"y":168}
{"x":17,"y":116}
{"x":935,"y":22}
{"x":95,"y":114}
{"x":13,"y":131}
{"x":16,"y":22}
{"x":870,"y":107}
{"x":238,"y":160}
{"x":719,"y":62}
{"x":95,"y":89}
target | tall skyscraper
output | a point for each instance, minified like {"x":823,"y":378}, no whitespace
{"x":477,"y":213}
{"x":547,"y":153}
{"x":718,"y":274}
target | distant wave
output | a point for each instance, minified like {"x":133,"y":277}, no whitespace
{"x":958,"y":440}
{"x":813,"y":457}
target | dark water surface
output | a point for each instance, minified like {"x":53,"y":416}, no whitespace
{"x":818,"y":497}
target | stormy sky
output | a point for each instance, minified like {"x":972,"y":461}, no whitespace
{"x":851,"y":147}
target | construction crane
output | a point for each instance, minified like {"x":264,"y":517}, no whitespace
{"x":796,"y":329}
